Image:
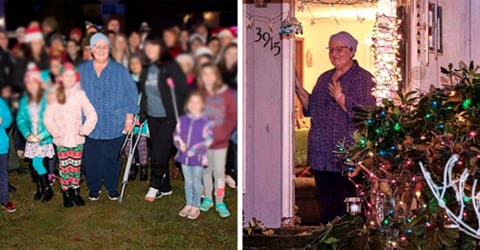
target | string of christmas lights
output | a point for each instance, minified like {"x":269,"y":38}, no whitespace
{"x":386,"y":42}
{"x":270,"y":21}
{"x":304,"y":6}
{"x":304,"y":3}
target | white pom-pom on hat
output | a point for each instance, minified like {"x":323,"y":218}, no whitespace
{"x":32,"y":34}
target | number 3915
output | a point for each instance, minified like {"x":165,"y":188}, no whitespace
{"x":267,"y":40}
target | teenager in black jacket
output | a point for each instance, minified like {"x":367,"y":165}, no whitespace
{"x":157,"y":105}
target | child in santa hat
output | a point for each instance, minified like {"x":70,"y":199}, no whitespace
{"x":30,"y":123}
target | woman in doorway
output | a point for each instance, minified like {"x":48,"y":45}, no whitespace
{"x":330,"y":107}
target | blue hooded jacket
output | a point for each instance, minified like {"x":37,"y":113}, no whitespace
{"x":24,"y":122}
{"x":6,"y":121}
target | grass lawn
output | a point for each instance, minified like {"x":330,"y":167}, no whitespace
{"x":105,"y":224}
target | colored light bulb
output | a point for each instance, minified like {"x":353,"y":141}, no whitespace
{"x":466,"y":103}
{"x":397,"y":127}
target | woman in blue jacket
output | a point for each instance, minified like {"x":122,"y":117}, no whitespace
{"x":113,"y":94}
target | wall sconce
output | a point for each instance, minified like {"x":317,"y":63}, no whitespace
{"x":354,"y":205}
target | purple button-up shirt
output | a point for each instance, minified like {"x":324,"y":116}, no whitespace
{"x":329,"y":122}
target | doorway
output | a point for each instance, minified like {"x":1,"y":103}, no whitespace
{"x":320,"y":21}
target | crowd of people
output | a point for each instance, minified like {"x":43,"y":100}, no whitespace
{"x":68,"y":100}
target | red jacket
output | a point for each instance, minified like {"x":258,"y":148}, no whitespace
{"x":221,"y":110}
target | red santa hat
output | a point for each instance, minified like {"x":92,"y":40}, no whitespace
{"x":32,"y":73}
{"x":32,"y":34}
{"x":225,"y":31}
{"x":69,"y":66}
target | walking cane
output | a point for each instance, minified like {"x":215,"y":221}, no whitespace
{"x":171,"y":84}
{"x":131,"y":153}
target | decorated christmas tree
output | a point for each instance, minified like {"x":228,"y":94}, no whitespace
{"x":399,"y":209}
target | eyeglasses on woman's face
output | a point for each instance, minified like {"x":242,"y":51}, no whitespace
{"x":101,"y":47}
{"x":338,"y":49}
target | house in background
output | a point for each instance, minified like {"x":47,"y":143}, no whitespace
{"x":430,"y":40}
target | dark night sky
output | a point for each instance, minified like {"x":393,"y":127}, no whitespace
{"x":159,"y":14}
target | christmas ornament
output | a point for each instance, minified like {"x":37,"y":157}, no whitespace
{"x":290,"y":27}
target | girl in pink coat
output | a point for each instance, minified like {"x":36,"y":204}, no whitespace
{"x":67,"y":105}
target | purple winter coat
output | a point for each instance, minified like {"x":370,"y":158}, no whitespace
{"x":197,"y":134}
{"x":329,"y":122}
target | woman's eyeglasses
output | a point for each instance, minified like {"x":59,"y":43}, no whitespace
{"x":101,"y":47}
{"x":337,"y":50}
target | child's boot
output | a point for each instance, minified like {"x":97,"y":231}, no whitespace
{"x":47,"y":190}
{"x":75,"y":193}
{"x":67,"y":200}
{"x":38,"y":195}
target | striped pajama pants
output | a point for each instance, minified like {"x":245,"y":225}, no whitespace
{"x":70,"y":160}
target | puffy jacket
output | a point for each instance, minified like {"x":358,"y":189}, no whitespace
{"x":197,"y":135}
{"x":24,"y":122}
{"x":64,"y":121}
{"x":221,"y":110}
{"x":5,"y":122}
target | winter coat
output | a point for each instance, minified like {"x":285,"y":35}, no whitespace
{"x":113,"y":94}
{"x":64,"y":121}
{"x":197,"y":135}
{"x":221,"y":110}
{"x":5,"y":122}
{"x":24,"y":122}
{"x":168,"y":69}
